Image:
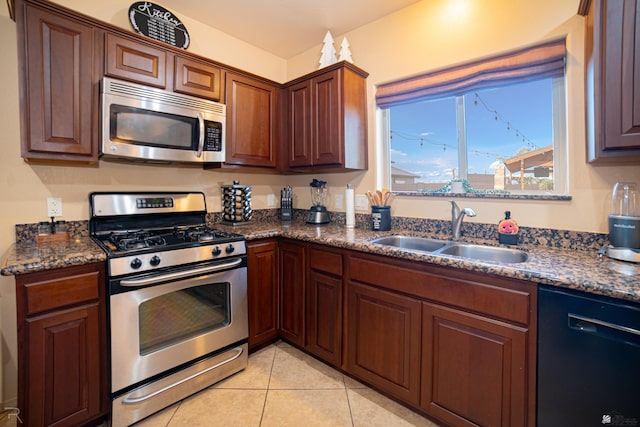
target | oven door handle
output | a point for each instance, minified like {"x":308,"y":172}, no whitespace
{"x":180,"y":275}
{"x":135,"y":400}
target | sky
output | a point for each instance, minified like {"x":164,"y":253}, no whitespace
{"x":499,"y":123}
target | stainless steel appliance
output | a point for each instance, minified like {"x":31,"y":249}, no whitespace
{"x":588,"y":360}
{"x":318,"y":213}
{"x":177,"y":299}
{"x":154,"y":125}
{"x":624,"y":223}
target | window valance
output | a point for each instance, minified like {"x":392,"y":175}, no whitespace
{"x":537,"y":61}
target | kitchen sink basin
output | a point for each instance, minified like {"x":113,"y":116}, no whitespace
{"x":422,"y":244}
{"x":445,"y":247}
{"x":485,"y":253}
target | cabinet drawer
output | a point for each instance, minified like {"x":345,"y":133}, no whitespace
{"x":57,"y":293}
{"x":494,"y":296}
{"x":325,"y":261}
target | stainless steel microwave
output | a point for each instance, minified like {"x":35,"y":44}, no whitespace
{"x":155,"y":125}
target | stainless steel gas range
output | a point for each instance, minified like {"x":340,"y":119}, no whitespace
{"x":177,"y":298}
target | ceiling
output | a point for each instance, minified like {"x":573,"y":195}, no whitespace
{"x":284,"y":27}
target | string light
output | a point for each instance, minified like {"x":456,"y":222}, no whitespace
{"x":498,"y":117}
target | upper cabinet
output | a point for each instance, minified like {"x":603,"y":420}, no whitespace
{"x":147,"y":64}
{"x":327,"y":119}
{"x":252,"y":136}
{"x":58,"y":97}
{"x":613,"y":80}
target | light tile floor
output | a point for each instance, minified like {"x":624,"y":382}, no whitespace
{"x":282,"y":386}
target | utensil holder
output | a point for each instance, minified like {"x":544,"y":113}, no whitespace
{"x":381,"y":218}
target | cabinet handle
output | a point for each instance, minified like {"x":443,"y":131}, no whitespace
{"x":135,"y":400}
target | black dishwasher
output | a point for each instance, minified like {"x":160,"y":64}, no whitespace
{"x":588,"y":360}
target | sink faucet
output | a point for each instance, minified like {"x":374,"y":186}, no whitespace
{"x":456,"y":218}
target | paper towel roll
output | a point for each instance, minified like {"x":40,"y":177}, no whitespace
{"x":350,"y":202}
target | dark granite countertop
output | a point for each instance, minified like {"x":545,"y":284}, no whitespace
{"x":577,"y":269}
{"x":30,"y":257}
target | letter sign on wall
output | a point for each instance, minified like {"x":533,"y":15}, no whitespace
{"x":158,"y":23}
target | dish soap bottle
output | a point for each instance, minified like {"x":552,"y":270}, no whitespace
{"x":508,"y":230}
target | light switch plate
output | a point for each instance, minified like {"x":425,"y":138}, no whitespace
{"x":339,"y":201}
{"x":271,"y":200}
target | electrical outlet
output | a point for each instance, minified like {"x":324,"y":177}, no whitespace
{"x":271,"y":200}
{"x":54,"y":207}
{"x":362,"y":204}
{"x":339,"y":201}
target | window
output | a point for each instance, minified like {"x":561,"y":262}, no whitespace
{"x":497,"y":127}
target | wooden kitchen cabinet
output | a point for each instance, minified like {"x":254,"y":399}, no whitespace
{"x":262,"y":259}
{"x":323,"y":305}
{"x":475,"y":333}
{"x":292,"y":268}
{"x":252,"y":137}
{"x":383,"y":340}
{"x":58,"y":90}
{"x":62,"y":350}
{"x":474,"y":369}
{"x":613,"y":80}
{"x":327,"y":119}
{"x":130,"y":59}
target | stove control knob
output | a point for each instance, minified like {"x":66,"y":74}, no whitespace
{"x":136,"y":263}
{"x":229,"y":249}
{"x":216,"y":251}
{"x":154,"y":261}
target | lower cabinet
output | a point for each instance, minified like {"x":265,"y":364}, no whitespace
{"x":262,"y":293}
{"x":474,"y":369}
{"x":292,"y":268}
{"x":455,"y":345}
{"x":323,"y":305}
{"x":383,"y":340}
{"x":62,"y":353}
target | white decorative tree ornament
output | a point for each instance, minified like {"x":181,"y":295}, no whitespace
{"x":345,"y":53}
{"x":328,"y":56}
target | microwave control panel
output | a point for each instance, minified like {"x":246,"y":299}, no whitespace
{"x":212,"y":136}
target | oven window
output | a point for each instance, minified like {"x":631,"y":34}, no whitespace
{"x":144,"y":127}
{"x":177,"y":316}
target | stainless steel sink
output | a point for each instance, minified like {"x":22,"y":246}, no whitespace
{"x":445,"y":247}
{"x":485,"y":253}
{"x":414,"y":243}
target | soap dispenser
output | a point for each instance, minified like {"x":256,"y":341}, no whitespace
{"x":508,"y":230}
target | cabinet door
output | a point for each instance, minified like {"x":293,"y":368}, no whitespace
{"x":262,"y":292}
{"x":138,"y":62}
{"x":62,"y":351}
{"x":328,"y":144}
{"x":197,"y":78}
{"x":383,"y":340}
{"x":58,"y":96}
{"x":615,"y":28}
{"x":474,"y":369}
{"x":300,"y":125}
{"x":64,"y":385}
{"x":324,"y":317}
{"x":252,"y":112}
{"x":292,"y":267}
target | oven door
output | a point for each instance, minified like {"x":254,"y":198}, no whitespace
{"x":158,"y":328}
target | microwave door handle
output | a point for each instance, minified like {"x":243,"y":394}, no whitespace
{"x":200,"y":135}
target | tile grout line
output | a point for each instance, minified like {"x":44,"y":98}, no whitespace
{"x":266,"y":395}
